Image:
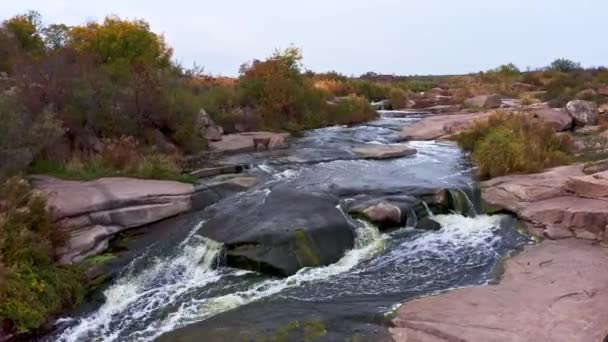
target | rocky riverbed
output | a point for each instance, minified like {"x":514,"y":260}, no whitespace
{"x":323,"y":245}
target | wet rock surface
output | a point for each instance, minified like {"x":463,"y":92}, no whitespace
{"x":185,"y":289}
{"x":549,"y":292}
{"x":384,"y":151}
{"x":281,"y":231}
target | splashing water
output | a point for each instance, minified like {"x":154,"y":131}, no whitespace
{"x":143,"y":306}
{"x":141,"y":296}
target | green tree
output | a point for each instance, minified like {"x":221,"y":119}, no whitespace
{"x":122,"y":44}
{"x":508,"y":70}
{"x":56,"y":36}
{"x":26,"y":30}
{"x":564,"y":65}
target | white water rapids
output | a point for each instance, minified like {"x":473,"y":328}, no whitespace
{"x":171,"y":293}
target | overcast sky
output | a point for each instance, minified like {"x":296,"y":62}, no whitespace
{"x":355,"y":36}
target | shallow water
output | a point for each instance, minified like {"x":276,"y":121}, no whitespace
{"x":180,"y":289}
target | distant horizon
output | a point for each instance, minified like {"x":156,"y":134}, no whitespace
{"x":420,"y":38}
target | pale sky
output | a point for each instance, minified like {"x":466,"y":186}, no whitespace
{"x":356,"y":36}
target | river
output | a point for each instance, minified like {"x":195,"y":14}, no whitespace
{"x":178,"y":290}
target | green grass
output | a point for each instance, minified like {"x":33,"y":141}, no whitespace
{"x":97,"y":260}
{"x":509,"y":143}
{"x":92,"y":171}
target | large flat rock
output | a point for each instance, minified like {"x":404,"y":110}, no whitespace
{"x":93,"y":212}
{"x":384,"y":151}
{"x":441,"y":126}
{"x":72,"y":198}
{"x":558,"y":203}
{"x":556,"y":291}
{"x":244,"y":142}
{"x":437,"y":126}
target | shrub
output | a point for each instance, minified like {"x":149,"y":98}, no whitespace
{"x":122,"y":156}
{"x":564,"y":65}
{"x":348,"y":110}
{"x":23,"y":137}
{"x":528,"y":99}
{"x":514,"y":143}
{"x":33,"y":287}
{"x":398,"y":98}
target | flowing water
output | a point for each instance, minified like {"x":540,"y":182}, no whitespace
{"x":180,"y":290}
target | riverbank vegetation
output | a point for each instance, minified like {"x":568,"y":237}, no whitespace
{"x":32,"y":286}
{"x":81,"y":86}
{"x":512,"y":143}
{"x":67,"y":90}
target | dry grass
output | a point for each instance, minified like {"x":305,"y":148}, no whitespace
{"x":514,"y":143}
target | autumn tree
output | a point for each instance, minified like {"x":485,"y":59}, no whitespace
{"x":277,"y":88}
{"x":26,"y":30}
{"x":121,"y":44}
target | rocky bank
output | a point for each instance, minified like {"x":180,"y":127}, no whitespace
{"x":91,"y":213}
{"x":551,"y":292}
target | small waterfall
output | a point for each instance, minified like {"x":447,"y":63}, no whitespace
{"x":427,"y":209}
{"x":461,"y":203}
{"x":172,"y":292}
{"x":140,"y":297}
{"x":412,"y":218}
{"x":368,"y":242}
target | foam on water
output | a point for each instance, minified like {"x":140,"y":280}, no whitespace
{"x":368,"y":243}
{"x":132,"y":306}
{"x":139,"y":296}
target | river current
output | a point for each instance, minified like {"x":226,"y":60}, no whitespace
{"x":178,"y":290}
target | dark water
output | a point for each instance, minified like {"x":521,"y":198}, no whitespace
{"x":176,"y":291}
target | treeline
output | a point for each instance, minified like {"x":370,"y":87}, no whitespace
{"x":67,"y":92}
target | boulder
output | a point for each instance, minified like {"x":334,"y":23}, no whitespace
{"x":484,"y":101}
{"x":586,"y":94}
{"x":92,"y":212}
{"x":244,"y":142}
{"x":558,"y":119}
{"x":382,"y":105}
{"x":554,"y":291}
{"x":208,"y":128}
{"x":603,"y":91}
{"x":595,"y":167}
{"x":427,"y":223}
{"x":281,"y":231}
{"x":438,"y":126}
{"x":583,"y":112}
{"x":384,"y":151}
{"x":386,"y":212}
{"x":561,"y":200}
{"x":158,"y":139}
{"x":214,"y":133}
{"x":394,"y":211}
